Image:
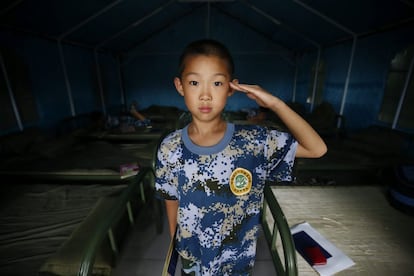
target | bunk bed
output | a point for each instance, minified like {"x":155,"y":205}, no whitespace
{"x":54,"y":184}
{"x":62,"y":197}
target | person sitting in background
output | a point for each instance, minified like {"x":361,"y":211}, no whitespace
{"x":128,"y":122}
{"x":257,"y":116}
{"x":140,"y":119}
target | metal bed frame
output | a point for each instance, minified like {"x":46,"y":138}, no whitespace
{"x":280,"y":229}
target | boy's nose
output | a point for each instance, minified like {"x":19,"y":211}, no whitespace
{"x":205,"y":97}
{"x":205,"y":94}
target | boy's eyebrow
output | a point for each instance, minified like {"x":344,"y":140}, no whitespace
{"x":190,"y":73}
{"x":197,"y":74}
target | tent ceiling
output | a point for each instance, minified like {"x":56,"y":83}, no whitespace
{"x":120,"y":25}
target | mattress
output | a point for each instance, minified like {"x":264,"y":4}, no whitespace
{"x":36,"y":219}
{"x":89,"y":161}
{"x":359,"y":221}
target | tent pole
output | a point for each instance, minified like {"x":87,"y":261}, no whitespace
{"x":346,"y":30}
{"x":99,"y":45}
{"x":279,"y":23}
{"x":295,"y":80}
{"x":121,"y":83}
{"x":403,"y":93}
{"x":289,"y":29}
{"x":315,"y":79}
{"x":11,"y":94}
{"x":10,"y":6}
{"x":136,"y":23}
{"x":408,"y":3}
{"x":71,"y":30}
{"x":84,"y":22}
{"x":67,"y":82}
{"x":326,"y":18}
{"x":348,"y":76}
{"x":100,"y":86}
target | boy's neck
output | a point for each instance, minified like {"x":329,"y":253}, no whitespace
{"x":208,"y":134}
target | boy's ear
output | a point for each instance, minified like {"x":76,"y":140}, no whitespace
{"x":178,"y":86}
{"x":231,"y":90}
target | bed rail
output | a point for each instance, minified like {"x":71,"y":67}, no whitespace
{"x":103,"y":229}
{"x":93,"y":244}
{"x":280,"y":229}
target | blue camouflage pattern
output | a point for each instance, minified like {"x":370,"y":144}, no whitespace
{"x":217,"y":230}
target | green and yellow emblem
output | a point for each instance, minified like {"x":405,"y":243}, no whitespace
{"x":240,"y":181}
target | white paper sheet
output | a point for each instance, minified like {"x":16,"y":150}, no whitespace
{"x":337,"y":262}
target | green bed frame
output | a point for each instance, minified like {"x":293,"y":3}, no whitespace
{"x":280,"y":229}
{"x":93,"y":246}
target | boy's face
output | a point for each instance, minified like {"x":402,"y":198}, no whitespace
{"x":204,"y":84}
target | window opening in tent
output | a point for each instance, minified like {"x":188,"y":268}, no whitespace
{"x":320,"y":76}
{"x":399,"y":91}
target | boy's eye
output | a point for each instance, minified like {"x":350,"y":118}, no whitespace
{"x":218,"y":83}
{"x":194,"y":83}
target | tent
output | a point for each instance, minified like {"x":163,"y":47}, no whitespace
{"x":63,"y":58}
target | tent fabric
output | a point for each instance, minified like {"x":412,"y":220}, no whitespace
{"x":121,"y":25}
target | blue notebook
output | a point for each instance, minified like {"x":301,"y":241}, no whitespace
{"x":309,"y":249}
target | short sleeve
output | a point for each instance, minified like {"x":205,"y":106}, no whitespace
{"x":280,"y":152}
{"x":166,"y":170}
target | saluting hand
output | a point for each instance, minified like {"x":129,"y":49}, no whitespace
{"x":262,"y":97}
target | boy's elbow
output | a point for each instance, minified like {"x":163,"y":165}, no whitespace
{"x":316,"y":150}
{"x":320,"y":150}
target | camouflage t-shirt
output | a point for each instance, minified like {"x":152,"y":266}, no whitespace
{"x":220,"y":193}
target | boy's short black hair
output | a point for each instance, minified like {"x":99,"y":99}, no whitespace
{"x":206,"y":47}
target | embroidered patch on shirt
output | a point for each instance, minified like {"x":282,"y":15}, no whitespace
{"x":240,"y":181}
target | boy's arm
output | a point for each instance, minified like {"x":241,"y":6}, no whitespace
{"x":310,"y":144}
{"x":172,"y":208}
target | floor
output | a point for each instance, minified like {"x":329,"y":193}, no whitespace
{"x":144,"y":252}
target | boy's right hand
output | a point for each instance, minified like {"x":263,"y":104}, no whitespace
{"x":262,"y":97}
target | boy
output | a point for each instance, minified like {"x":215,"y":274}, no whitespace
{"x":212,"y":173}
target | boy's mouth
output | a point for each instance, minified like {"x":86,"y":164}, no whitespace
{"x":205,"y":109}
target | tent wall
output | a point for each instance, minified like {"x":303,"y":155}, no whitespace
{"x":47,"y":84}
{"x":147,"y":71}
{"x":369,"y":74}
{"x":150,"y":67}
